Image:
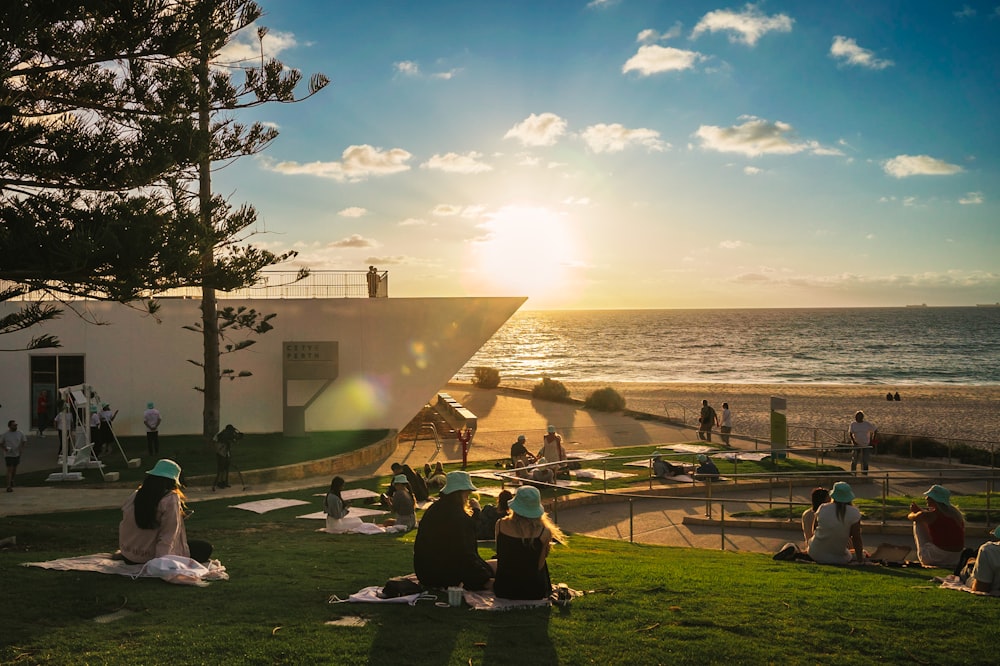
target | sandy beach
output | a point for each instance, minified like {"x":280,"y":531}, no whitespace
{"x":968,"y":413}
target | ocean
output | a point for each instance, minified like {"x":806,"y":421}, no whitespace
{"x":885,"y":346}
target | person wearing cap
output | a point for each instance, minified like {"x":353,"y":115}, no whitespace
{"x":524,"y":538}
{"x":445,"y":552}
{"x":837,"y":522}
{"x":552,"y":450}
{"x":151,"y":419}
{"x":153,"y":520}
{"x":404,"y":504}
{"x":707,"y":470}
{"x":861,"y":434}
{"x":938,"y":529}
{"x":985,"y":574}
{"x":519,"y":453}
{"x":11,"y":442}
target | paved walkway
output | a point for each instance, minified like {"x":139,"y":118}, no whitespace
{"x":502,"y":416}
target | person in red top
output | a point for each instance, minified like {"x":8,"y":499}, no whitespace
{"x":938,"y":529}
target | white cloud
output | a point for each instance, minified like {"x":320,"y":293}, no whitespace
{"x":529,"y":160}
{"x":752,"y":170}
{"x":407,"y":68}
{"x":968,"y":12}
{"x":730,"y":244}
{"x":451,"y":210}
{"x":412,"y":222}
{"x":649,"y":35}
{"x":354,"y":240}
{"x":971,"y":198}
{"x":652,"y":59}
{"x":455,"y":163}
{"x":902,"y":166}
{"x":389,"y":260}
{"x":601,"y":3}
{"x":744,"y":27}
{"x":577,"y":201}
{"x":353,"y":211}
{"x":758,"y":137}
{"x":450,"y":74}
{"x":244,"y":47}
{"x":538,"y":130}
{"x":359,"y":162}
{"x":847,"y":51}
{"x":614,"y":138}
{"x":928,"y":280}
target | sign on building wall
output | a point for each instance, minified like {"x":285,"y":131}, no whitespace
{"x":306,"y":361}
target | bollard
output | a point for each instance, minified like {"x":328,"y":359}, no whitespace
{"x":722,"y":525}
{"x":630,"y":514}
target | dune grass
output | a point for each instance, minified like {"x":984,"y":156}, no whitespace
{"x":649,"y":604}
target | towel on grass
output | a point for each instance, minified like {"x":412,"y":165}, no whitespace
{"x":742,"y":455}
{"x":599,"y":474}
{"x":354,"y":512}
{"x":953,"y":582}
{"x":263,"y":506}
{"x":487,"y":601}
{"x":586,"y":455}
{"x":172,"y":568}
{"x":689,"y":448}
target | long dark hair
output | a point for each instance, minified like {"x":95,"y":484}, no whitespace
{"x":147,"y":499}
{"x":336,"y":485}
{"x":820,"y":496}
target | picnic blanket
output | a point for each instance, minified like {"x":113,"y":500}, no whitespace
{"x":733,"y":456}
{"x":953,"y":582}
{"x":354,"y":512}
{"x":586,"y":455}
{"x":263,"y":506}
{"x":599,"y":474}
{"x":172,"y":568}
{"x":688,"y":448}
{"x":485,"y":600}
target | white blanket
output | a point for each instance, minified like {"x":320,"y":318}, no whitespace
{"x":263,"y":506}
{"x":178,"y":570}
{"x":955,"y":583}
{"x":689,"y":448}
{"x":599,"y":474}
{"x":354,"y":512}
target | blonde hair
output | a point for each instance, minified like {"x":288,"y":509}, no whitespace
{"x":524,"y":525}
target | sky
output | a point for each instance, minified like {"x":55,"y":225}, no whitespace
{"x":639,"y":153}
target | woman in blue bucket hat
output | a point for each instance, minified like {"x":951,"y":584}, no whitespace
{"x":153,"y":520}
{"x":445,"y":552}
{"x":524,"y":538}
{"x":938,"y":529}
{"x":837,"y":522}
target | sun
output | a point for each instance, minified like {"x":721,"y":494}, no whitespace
{"x":524,"y":251}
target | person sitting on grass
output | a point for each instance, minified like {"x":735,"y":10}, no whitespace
{"x":445,"y":552}
{"x":519,"y":453}
{"x":336,"y":509}
{"x":524,"y":539}
{"x":664,"y":470}
{"x":938,"y":530}
{"x":436,"y":478}
{"x":836,"y":522}
{"x":403,"y":504}
{"x":417,"y":485}
{"x":707,"y":471}
{"x":982,"y":573}
{"x":819,"y":497}
{"x":153,"y":520}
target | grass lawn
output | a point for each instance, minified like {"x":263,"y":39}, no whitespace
{"x":650,"y":605}
{"x":197,"y":457}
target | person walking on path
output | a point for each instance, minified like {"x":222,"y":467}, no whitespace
{"x":860,"y":433}
{"x":12,"y":442}
{"x":151,"y":419}
{"x":726,"y":426}
{"x":706,"y":420}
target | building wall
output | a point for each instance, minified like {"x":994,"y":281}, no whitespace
{"x":394,"y":354}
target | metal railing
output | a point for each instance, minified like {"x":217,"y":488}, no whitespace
{"x":275,"y":284}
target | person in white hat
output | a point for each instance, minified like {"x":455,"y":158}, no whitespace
{"x":938,"y":529}
{"x":837,"y":522}
{"x":445,"y":552}
{"x":524,"y":538}
{"x":153,"y":520}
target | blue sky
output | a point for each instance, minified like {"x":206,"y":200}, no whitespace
{"x":640,"y":153}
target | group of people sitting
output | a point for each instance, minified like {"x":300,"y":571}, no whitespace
{"x":446,"y":551}
{"x":832,"y":531}
{"x":705,"y":470}
{"x":550,"y":461}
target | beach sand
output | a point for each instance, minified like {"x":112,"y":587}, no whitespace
{"x":967,"y":413}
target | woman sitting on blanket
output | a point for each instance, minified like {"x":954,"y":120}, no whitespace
{"x":837,"y":521}
{"x":664,"y":470}
{"x":707,"y":471}
{"x":336,"y":509}
{"x":404,"y":505}
{"x":524,"y":539}
{"x":445,"y":552}
{"x":153,"y":520}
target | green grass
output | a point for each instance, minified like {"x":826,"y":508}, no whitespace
{"x":896,"y":508}
{"x":650,"y":605}
{"x":197,"y":457}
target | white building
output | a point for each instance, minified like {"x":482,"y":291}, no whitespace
{"x":329,"y":363}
